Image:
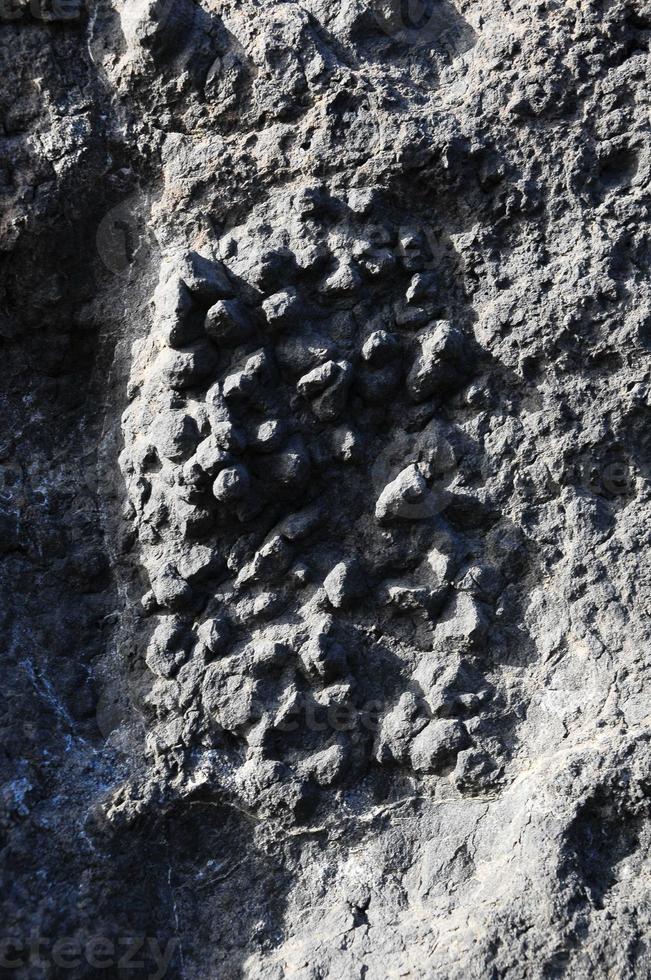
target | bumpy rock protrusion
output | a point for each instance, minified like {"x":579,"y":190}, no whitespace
{"x":442,"y":365}
{"x":406,"y":498}
{"x":345,"y":583}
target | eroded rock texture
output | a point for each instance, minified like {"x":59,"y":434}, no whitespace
{"x":325,"y":506}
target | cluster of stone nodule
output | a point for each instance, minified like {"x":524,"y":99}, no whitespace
{"x":290,"y":470}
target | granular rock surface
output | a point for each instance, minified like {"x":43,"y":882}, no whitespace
{"x":325,"y":489}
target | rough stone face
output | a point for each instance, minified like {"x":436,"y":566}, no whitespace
{"x":324,"y":488}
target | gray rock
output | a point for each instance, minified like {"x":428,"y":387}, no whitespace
{"x":187,"y":368}
{"x":175,"y":435}
{"x":287,"y":471}
{"x":301,"y":353}
{"x":345,"y":584}
{"x":211,"y":457}
{"x":347,"y":445}
{"x":442,"y":364}
{"x":244,"y":384}
{"x":228,"y":437}
{"x":323,"y":658}
{"x":283,"y":308}
{"x":381,"y":348}
{"x":271,"y":560}
{"x":297,"y":526}
{"x":230,"y":700}
{"x":365,"y":259}
{"x":228,"y":324}
{"x":169,"y":647}
{"x":177,"y":318}
{"x":170,"y":589}
{"x":198,"y":562}
{"x":465,"y":622}
{"x":330,"y":402}
{"x":231,"y":485}
{"x":398,"y":727}
{"x":405,"y":498}
{"x":269,"y":655}
{"x":215,"y":634}
{"x":268,"y":436}
{"x":414,"y":249}
{"x":207,"y":280}
{"x":438,"y":744}
{"x":327,"y":766}
{"x":317,"y":380}
{"x":423,"y":286}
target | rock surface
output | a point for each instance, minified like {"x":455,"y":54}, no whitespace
{"x":324,"y":489}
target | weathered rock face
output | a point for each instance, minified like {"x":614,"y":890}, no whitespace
{"x":325,"y":494}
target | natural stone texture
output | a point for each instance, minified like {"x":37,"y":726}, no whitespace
{"x":324,"y":488}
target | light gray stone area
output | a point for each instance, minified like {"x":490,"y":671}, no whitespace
{"x":325,"y":501}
